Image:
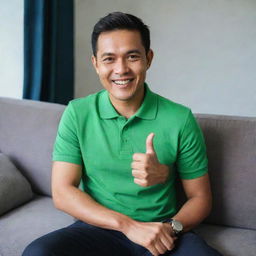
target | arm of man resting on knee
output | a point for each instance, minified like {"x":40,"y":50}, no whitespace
{"x":198,"y":204}
{"x":68,"y":198}
{"x":155,"y":236}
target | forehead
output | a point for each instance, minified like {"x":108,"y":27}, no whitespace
{"x":119,"y":41}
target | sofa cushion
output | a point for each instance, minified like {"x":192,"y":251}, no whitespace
{"x":231,"y":149}
{"x":27,"y":132}
{"x":14,"y":188}
{"x":229,"y":241}
{"x":28,"y":222}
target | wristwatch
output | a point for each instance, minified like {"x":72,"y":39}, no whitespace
{"x":177,"y":227}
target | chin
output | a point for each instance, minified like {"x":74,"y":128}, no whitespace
{"x":122,"y":97}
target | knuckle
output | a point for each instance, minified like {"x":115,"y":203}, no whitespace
{"x":150,"y":242}
{"x":135,"y":156}
{"x":158,"y":229}
{"x":144,"y":175}
{"x":146,"y":167}
{"x":162,"y":251}
{"x":147,"y":243}
{"x":145,"y":183}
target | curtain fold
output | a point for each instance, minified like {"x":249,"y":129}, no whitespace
{"x":49,"y":50}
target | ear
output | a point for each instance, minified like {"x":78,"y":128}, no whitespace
{"x":150,"y":56}
{"x":95,"y":64}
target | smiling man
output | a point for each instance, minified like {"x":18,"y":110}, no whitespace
{"x":121,"y":63}
{"x":127,"y":145}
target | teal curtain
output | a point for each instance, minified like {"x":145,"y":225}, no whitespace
{"x":49,"y":50}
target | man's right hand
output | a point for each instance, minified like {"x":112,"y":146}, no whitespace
{"x":157,"y":237}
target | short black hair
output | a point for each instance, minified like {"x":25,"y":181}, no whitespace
{"x":120,"y":20}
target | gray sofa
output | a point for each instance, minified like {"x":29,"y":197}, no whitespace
{"x":27,"y":133}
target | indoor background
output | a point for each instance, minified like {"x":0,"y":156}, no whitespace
{"x":205,"y":50}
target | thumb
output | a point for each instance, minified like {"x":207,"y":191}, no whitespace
{"x":149,"y":144}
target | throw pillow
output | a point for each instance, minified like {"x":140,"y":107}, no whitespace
{"x":14,"y":188}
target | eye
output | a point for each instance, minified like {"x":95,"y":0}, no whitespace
{"x":133,"y":57}
{"x":108,"y":60}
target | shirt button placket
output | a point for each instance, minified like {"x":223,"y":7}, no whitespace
{"x":125,"y":149}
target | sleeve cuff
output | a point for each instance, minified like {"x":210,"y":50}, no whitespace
{"x":193,"y":174}
{"x":69,"y":159}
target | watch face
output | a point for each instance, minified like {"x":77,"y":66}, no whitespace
{"x":177,"y":226}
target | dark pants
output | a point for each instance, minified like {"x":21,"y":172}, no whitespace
{"x":81,"y":239}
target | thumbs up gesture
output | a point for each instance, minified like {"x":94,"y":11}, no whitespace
{"x":146,"y":169}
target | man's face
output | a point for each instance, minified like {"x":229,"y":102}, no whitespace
{"x":121,"y":64}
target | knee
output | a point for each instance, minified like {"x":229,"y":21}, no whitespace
{"x":197,"y":246}
{"x":37,"y":249}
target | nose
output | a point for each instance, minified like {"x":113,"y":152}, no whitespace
{"x":121,"y":67}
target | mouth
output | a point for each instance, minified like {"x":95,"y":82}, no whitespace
{"x":122,"y":82}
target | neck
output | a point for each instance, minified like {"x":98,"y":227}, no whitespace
{"x":127,"y":108}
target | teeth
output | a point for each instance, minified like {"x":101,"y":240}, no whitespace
{"x":122,"y":82}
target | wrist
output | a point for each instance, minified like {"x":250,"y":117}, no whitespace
{"x":176,"y":226}
{"x":124,"y":224}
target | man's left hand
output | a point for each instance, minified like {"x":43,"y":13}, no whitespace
{"x":146,"y":169}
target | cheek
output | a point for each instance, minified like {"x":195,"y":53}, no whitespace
{"x":140,"y":69}
{"x":141,"y":72}
{"x":103,"y":73}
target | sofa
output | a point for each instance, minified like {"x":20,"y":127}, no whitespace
{"x":27,"y":132}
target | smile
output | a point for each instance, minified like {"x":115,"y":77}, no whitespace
{"x":122,"y":82}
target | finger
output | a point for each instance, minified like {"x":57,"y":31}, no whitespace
{"x":149,"y":144}
{"x":141,"y":182}
{"x":168,"y":241}
{"x":153,"y":251}
{"x":138,"y":174}
{"x":139,"y":157}
{"x":160,"y":247}
{"x":137,"y":165}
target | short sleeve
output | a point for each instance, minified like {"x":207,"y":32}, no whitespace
{"x":192,"y":159}
{"x":66,"y":146}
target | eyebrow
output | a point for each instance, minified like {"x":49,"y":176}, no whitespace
{"x":134,"y":51}
{"x":112,"y":54}
{"x":106,"y":54}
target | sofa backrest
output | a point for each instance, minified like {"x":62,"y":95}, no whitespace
{"x":28,"y":130}
{"x":27,"y":133}
{"x":231,"y":149}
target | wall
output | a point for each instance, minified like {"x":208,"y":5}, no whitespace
{"x":205,"y":51}
{"x":11,"y":48}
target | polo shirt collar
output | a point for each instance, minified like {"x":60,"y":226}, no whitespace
{"x":106,"y":109}
{"x":147,"y":110}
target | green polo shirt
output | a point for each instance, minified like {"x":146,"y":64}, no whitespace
{"x":91,"y":133}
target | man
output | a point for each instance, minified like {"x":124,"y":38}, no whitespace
{"x":127,"y":145}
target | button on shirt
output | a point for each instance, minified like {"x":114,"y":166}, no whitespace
{"x":91,"y":133}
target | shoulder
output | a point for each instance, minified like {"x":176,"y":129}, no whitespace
{"x":174,"y":111}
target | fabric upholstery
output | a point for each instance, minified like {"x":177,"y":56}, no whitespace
{"x":231,"y":145}
{"x":27,"y":132}
{"x":21,"y":226}
{"x":14,"y":188}
{"x":229,"y":241}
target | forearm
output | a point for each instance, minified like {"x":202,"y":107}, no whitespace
{"x":194,"y":211}
{"x":80,"y":205}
